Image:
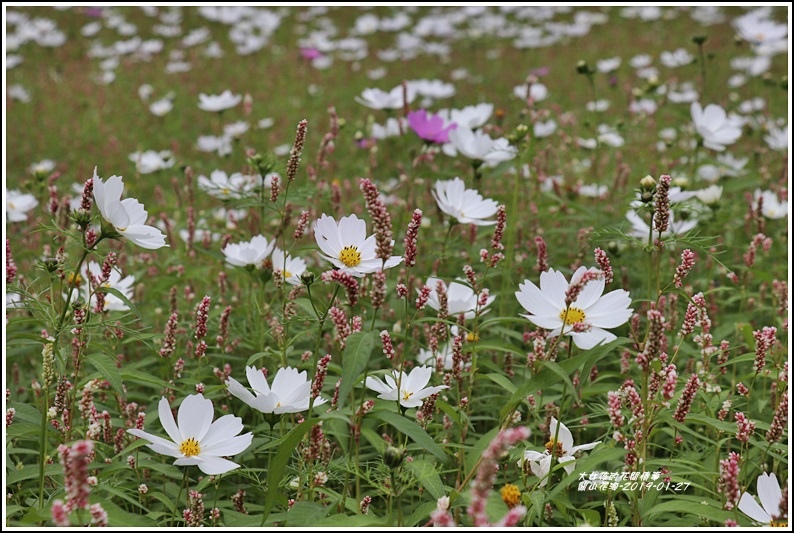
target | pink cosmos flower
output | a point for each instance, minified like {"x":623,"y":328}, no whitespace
{"x":430,"y":127}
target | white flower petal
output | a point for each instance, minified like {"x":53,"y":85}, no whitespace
{"x":195,"y":417}
{"x":167,"y":421}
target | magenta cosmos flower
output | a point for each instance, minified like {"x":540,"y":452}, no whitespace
{"x":430,"y":127}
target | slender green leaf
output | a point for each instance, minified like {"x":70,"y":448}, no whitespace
{"x":348,"y":521}
{"x":477,"y":450}
{"x":421,"y":515}
{"x":130,"y":375}
{"x":502,"y":381}
{"x":306,"y":514}
{"x":107,"y":368}
{"x":118,"y":294}
{"x":412,"y":430}
{"x":358,"y":350}
{"x":280,"y":460}
{"x":427,"y":476}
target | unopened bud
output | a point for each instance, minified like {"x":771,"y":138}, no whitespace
{"x":393,"y":456}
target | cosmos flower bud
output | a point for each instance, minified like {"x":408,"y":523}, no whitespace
{"x":393,"y":456}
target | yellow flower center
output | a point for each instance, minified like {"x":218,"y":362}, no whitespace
{"x":225,"y":191}
{"x":511,"y":495}
{"x":287,"y":274}
{"x":472,"y":337}
{"x":407,"y":395}
{"x":572,"y":315}
{"x":75,"y":279}
{"x":554,"y":447}
{"x":350,"y":256}
{"x":778,"y":523}
{"x":190,"y":447}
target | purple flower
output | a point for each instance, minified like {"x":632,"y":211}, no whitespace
{"x":310,"y":53}
{"x":430,"y":127}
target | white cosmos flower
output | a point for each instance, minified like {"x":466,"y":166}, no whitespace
{"x":426,"y":357}
{"x":585,"y":319}
{"x":561,"y":446}
{"x":479,"y":146}
{"x":219,"y":102}
{"x":18,"y":204}
{"x":115,"y":281}
{"x":377,"y":99}
{"x":777,"y":139}
{"x":544,"y":129}
{"x":467,"y":206}
{"x":710,"y":195}
{"x":677,"y":58}
{"x":770,"y":495}
{"x":161,"y":107}
{"x":42,"y":168}
{"x":390,"y":129}
{"x":412,"y":388}
{"x":223,"y":186}
{"x":640,"y":229}
{"x":537,"y":91}
{"x":756,"y":28}
{"x":461,"y":298}
{"x":236,"y":129}
{"x":608,"y":65}
{"x":128,"y":216}
{"x":151,"y":161}
{"x":249,"y":253}
{"x":714,"y":125}
{"x":771,"y":207}
{"x":290,"y":392}
{"x":347,"y":247}
{"x":291,"y":267}
{"x":197,"y":440}
{"x":472,"y":116}
{"x":221,"y":144}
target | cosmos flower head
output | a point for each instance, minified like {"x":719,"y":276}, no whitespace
{"x":18,"y":204}
{"x":249,"y":253}
{"x":128,"y":216}
{"x":290,"y":267}
{"x":394,"y":99}
{"x":771,"y":206}
{"x":769,"y":512}
{"x":220,"y":102}
{"x":461,"y":298}
{"x":586,"y":319}
{"x":224,"y":186}
{"x":346,"y":246}
{"x":124,"y":285}
{"x":429,"y":127}
{"x":481,"y":147}
{"x":715,"y":126}
{"x":412,"y":388}
{"x":196,"y":439}
{"x":640,"y":229}
{"x":151,"y":161}
{"x":290,"y":392}
{"x":560,"y":446}
{"x":467,"y":206}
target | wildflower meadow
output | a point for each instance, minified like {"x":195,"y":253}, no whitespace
{"x":396,"y":266}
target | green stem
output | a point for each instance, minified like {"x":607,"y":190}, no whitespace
{"x":43,"y":447}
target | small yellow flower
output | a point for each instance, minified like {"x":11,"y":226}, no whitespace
{"x":511,"y":495}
